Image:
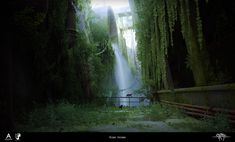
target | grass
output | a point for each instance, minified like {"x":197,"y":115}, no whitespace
{"x":159,"y":112}
{"x":162,"y":113}
{"x":69,"y":117}
{"x":204,"y":125}
{"x":218,"y":123}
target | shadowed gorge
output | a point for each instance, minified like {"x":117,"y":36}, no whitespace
{"x":118,"y":66}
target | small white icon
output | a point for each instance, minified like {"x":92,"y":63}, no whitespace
{"x":221,"y":136}
{"x":17,"y":136}
{"x":8,"y":138}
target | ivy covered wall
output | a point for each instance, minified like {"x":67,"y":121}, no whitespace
{"x":158,"y":25}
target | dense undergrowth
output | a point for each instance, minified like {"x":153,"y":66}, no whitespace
{"x":70,"y":117}
{"x":204,"y":124}
{"x":66,"y":117}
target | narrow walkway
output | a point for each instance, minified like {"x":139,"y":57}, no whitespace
{"x":136,"y":123}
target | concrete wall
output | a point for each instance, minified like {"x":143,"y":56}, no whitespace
{"x":219,"y":96}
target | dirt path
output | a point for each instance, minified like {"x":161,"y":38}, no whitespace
{"x":136,"y":123}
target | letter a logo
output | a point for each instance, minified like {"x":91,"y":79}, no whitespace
{"x":8,"y":138}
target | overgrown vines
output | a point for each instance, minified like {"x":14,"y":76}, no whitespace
{"x":154,"y":41}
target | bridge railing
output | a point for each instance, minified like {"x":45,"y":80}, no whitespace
{"x":126,"y":101}
{"x":204,"y":101}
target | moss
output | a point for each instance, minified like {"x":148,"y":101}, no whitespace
{"x":154,"y":41}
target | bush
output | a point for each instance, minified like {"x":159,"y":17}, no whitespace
{"x":218,"y":123}
{"x":70,"y":117}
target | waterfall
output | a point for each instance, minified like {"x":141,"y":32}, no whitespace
{"x":125,"y":80}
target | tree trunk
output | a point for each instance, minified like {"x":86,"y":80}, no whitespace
{"x":196,"y":58}
{"x":197,"y":65}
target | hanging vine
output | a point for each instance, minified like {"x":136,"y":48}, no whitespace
{"x":160,"y":28}
{"x":172,"y":16}
{"x":199,"y":26}
{"x":153,"y":41}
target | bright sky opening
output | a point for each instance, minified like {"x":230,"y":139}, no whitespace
{"x":115,"y":4}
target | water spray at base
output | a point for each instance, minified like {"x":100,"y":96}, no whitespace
{"x":126,"y":81}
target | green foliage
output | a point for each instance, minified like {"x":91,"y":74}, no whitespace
{"x":218,"y":123}
{"x":153,"y":40}
{"x":86,"y":72}
{"x":160,"y":112}
{"x":155,"y":25}
{"x":143,"y":35}
{"x":102,"y":57}
{"x":189,"y":61}
{"x":69,"y":117}
{"x":41,"y":49}
{"x":165,"y":113}
{"x":172,"y":12}
{"x":199,"y":26}
{"x":99,"y":28}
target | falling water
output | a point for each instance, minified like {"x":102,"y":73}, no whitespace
{"x":125,"y":80}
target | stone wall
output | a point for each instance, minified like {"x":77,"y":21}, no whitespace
{"x":218,"y":96}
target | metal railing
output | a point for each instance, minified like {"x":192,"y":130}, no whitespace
{"x":126,"y":101}
{"x":202,"y":111}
